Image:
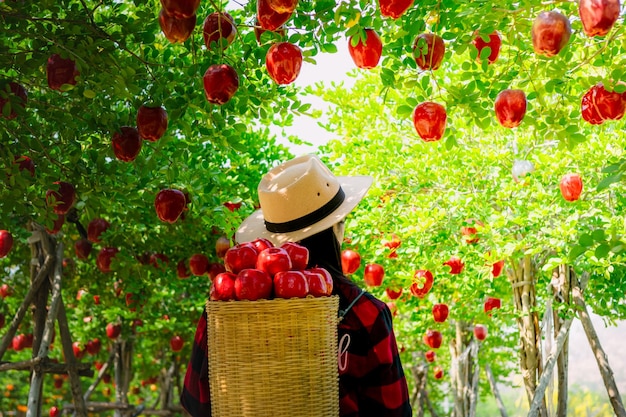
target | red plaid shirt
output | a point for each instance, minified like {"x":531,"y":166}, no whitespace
{"x":371,"y":379}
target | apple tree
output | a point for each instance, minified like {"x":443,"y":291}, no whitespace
{"x":115,"y":102}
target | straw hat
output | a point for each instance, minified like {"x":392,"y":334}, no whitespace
{"x":300,"y":198}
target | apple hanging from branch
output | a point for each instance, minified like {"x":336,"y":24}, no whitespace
{"x":440,"y":312}
{"x":268,"y":18}
{"x":550,"y":33}
{"x":220,"y":83}
{"x":62,"y":199}
{"x":176,"y":29}
{"x":366,"y":52}
{"x":95,"y":228}
{"x":493,"y":42}
{"x":151,"y":122}
{"x":423,"y":282}
{"x":350,"y":261}
{"x":283,"y":62}
{"x":394,"y":8}
{"x":429,"y":120}
{"x":180,"y":8}
{"x":510,"y":107}
{"x":218,"y":30}
{"x":6,"y":243}
{"x":61,"y":71}
{"x":571,"y":186}
{"x":169,"y":204}
{"x":598,"y":16}
{"x":373,"y":275}
{"x":428,"y":51}
{"x":103,"y":260}
{"x":126,"y":143}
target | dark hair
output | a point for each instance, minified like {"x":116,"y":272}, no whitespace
{"x":324,"y":251}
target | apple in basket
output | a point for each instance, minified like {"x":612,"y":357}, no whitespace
{"x":240,"y":257}
{"x":253,"y":284}
{"x":290,"y":284}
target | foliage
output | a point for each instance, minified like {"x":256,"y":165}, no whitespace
{"x":423,"y":192}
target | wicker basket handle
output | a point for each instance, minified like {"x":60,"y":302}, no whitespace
{"x":342,"y":313}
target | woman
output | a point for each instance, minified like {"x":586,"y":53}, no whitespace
{"x":302,"y":201}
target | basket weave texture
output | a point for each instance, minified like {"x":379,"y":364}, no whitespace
{"x":273,"y":358}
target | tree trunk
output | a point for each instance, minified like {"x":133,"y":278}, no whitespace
{"x":561,"y":287}
{"x":123,"y":373}
{"x":522,"y":276}
{"x":596,"y":347}
{"x":464,"y":352}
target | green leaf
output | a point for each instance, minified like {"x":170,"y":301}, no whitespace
{"x":602,"y":251}
{"x":89,"y":94}
{"x":607,"y":181}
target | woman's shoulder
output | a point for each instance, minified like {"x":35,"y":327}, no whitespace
{"x":367,"y":308}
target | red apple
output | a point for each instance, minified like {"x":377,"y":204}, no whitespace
{"x":274,"y":260}
{"x":159,"y":260}
{"x":95,"y":228}
{"x":430,"y":355}
{"x":25,"y":163}
{"x":224,"y":286}
{"x":253,"y":284}
{"x":82,"y":248}
{"x":428,"y":51}
{"x":366,"y":52}
{"x":393,"y":293}
{"x":440,"y":312}
{"x":181,"y":269}
{"x":598,"y":16}
{"x":126,"y":143}
{"x":103,"y":261}
{"x":571,"y":186}
{"x":56,"y":225}
{"x":96,"y":299}
{"x":215,"y":268}
{"x":268,"y":18}
{"x":151,"y":122}
{"x":394,"y":8}
{"x":78,"y":350}
{"x":317,"y":283}
{"x":283,"y":6}
{"x":6,"y":243}
{"x":327,"y":277}
{"x":5,"y":291}
{"x":176,"y":343}
{"x":180,"y":8}
{"x":198,"y":264}
{"x":433,"y":339}
{"x":113,"y":330}
{"x":494,"y":43}
{"x":220,"y":83}
{"x":290,"y":284}
{"x":496,"y":268}
{"x":510,"y":107}
{"x":169,"y":204}
{"x":232,"y":206}
{"x":480,"y":332}
{"x":598,"y":105}
{"x":298,"y":254}
{"x":93,"y":346}
{"x":16,"y":95}
{"x":261,"y":243}
{"x":423,"y":282}
{"x":62,"y":199}
{"x":58,"y":382}
{"x":550,"y":33}
{"x":438,"y":372}
{"x":239,"y":257}
{"x":220,"y":28}
{"x":469,"y":230}
{"x":283,"y":62}
{"x":373,"y":275}
{"x":491,"y":303}
{"x":456,"y":265}
{"x":429,"y":120}
{"x":350,"y":261}
{"x":18,"y":342}
{"x":221,"y":246}
{"x":61,"y":71}
{"x":176,"y":29}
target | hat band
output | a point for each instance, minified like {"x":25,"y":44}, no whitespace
{"x":309,"y":219}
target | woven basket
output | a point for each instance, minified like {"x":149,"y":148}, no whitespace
{"x":273,"y":358}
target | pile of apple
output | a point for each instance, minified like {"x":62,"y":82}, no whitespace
{"x":260,"y":270}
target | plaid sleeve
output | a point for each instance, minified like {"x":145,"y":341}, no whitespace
{"x":376,"y":370}
{"x":195,"y":397}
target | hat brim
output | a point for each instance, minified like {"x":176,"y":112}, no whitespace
{"x":253,"y":227}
